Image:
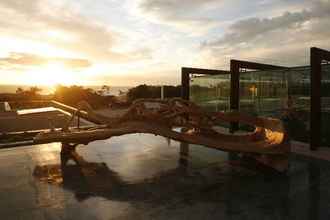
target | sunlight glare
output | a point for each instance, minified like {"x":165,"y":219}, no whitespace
{"x":51,"y":74}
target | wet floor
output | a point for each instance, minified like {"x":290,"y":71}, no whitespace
{"x":142,"y":177}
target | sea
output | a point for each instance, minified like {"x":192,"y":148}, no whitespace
{"x":45,"y":90}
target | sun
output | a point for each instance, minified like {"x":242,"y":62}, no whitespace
{"x":51,"y":74}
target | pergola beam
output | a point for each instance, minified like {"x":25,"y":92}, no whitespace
{"x":255,"y":66}
{"x":190,"y":70}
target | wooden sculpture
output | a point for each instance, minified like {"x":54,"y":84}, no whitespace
{"x":184,"y":121}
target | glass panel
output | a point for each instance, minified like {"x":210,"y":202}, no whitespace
{"x":211,"y":92}
{"x":283,"y":94}
{"x":325,"y":106}
{"x":263,"y":93}
{"x":297,"y":114}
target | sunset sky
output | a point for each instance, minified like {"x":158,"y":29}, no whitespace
{"x":127,"y":42}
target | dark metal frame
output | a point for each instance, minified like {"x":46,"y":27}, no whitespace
{"x":317,"y":56}
{"x":185,"y":78}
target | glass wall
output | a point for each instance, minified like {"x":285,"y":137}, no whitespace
{"x":283,"y":94}
{"x":211,"y":91}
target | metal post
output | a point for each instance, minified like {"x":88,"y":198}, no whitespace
{"x":315,"y":108}
{"x":162,"y":92}
{"x":184,"y":84}
{"x":234,"y":91}
{"x":78,"y":121}
{"x":184,"y":153}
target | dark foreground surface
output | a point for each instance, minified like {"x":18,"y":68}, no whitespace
{"x":141,"y":177}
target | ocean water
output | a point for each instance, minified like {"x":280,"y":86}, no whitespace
{"x":114,"y":90}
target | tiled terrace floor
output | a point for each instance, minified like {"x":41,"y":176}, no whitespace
{"x":140,"y":177}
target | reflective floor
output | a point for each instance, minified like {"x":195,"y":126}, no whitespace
{"x":142,"y":177}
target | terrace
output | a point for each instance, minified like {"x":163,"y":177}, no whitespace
{"x":143,"y":176}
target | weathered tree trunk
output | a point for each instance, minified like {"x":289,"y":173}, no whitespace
{"x":160,"y":117}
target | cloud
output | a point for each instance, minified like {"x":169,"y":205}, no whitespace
{"x":22,"y":59}
{"x":61,"y":27}
{"x":25,"y":60}
{"x":163,"y":77}
{"x":73,"y":63}
{"x":186,"y":14}
{"x":280,"y":39}
{"x":201,"y":16}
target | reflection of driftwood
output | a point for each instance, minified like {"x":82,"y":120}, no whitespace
{"x":159,"y":117}
{"x":90,"y":179}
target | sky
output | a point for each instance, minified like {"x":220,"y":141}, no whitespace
{"x":131,"y":42}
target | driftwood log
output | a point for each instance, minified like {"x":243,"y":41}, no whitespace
{"x":184,"y":121}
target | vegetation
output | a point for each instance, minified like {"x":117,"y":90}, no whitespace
{"x":30,"y":98}
{"x":31,"y":93}
{"x":145,"y":91}
{"x":72,"y":95}
{"x":105,"y":89}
